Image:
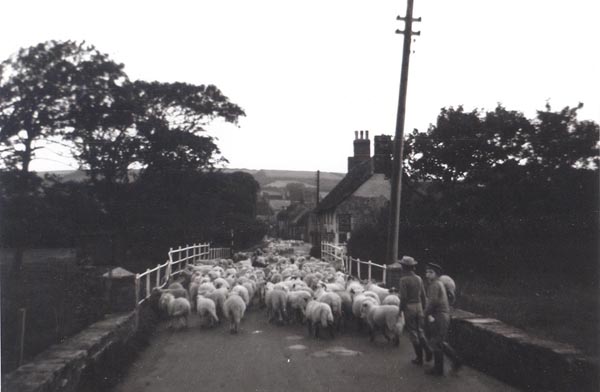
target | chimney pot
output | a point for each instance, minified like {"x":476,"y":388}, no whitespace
{"x":355,"y":135}
{"x":367,"y":134}
{"x":361,"y":135}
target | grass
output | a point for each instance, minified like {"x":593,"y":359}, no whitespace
{"x":546,"y":306}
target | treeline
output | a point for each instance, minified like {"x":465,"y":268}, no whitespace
{"x":496,"y":193}
{"x":69,"y":95}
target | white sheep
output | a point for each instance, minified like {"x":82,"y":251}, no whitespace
{"x":234,"y":308}
{"x":218,"y":296}
{"x":207,"y":311}
{"x":357,"y":303}
{"x":386,"y":318}
{"x":318,"y":314}
{"x":450,"y":288}
{"x":296,"y":305}
{"x":392,"y":299}
{"x":179,"y":310}
{"x":278,"y":303}
{"x":380,"y":291}
{"x":221,"y":282}
{"x":242,"y":292}
{"x":335,"y":303}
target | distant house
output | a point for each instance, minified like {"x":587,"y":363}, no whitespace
{"x":292,"y":223}
{"x":359,"y":197}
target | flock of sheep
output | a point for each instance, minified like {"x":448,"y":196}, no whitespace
{"x":294,"y":289}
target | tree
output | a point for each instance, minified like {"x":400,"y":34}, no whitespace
{"x":451,"y":149}
{"x":38,"y":88}
{"x":559,"y":140}
{"x":171,"y":124}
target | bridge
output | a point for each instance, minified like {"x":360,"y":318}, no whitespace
{"x":265,"y":356}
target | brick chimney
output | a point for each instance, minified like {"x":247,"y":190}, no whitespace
{"x":362,"y":149}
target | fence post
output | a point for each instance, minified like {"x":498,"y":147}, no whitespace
{"x":157,"y":275}
{"x":370,"y":270}
{"x":358,"y":265}
{"x":147,"y":283}
{"x":384,"y":273}
{"x":137,"y":301}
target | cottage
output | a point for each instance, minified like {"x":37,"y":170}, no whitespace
{"x":359,"y":197}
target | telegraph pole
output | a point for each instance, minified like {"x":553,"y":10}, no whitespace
{"x":394,"y":221}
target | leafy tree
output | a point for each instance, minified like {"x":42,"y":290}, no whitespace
{"x":39,"y":86}
{"x":559,"y":140}
{"x":449,"y":150}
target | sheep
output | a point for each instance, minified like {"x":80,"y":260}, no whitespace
{"x":218,"y":296}
{"x":392,"y":299}
{"x":296,"y":304}
{"x":388,"y":318}
{"x":373,"y":295}
{"x":380,"y":291}
{"x":318,"y":314}
{"x":251,"y":288}
{"x":278,"y":302}
{"x":335,"y":303}
{"x":221,"y":282}
{"x":357,"y":305}
{"x":354,"y":288}
{"x":242,"y":292}
{"x":179,"y":310}
{"x":450,"y":288}
{"x":205,"y":307}
{"x":234,"y":308}
{"x":163,"y":302}
{"x":346,"y":303}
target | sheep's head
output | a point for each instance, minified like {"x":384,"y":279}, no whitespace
{"x":365,"y":308}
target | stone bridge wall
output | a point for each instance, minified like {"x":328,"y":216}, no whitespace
{"x":89,"y":361}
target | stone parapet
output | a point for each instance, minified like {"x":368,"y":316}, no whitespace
{"x":512,"y":355}
{"x":70,"y":365}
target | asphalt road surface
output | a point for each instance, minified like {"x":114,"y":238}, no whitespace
{"x":267,"y":357}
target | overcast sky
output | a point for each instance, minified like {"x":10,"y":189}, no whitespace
{"x":309,"y":73}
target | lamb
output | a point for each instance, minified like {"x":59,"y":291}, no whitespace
{"x":205,"y":307}
{"x":318,"y":314}
{"x":388,"y":318}
{"x":234,"y":308}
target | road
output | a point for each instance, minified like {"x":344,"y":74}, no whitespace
{"x":267,"y":357}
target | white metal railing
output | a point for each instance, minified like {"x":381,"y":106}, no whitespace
{"x":337,"y":253}
{"x":334,"y":253}
{"x":179,"y":258}
{"x":357,"y":269}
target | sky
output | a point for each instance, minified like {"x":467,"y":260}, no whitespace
{"x":309,"y":73}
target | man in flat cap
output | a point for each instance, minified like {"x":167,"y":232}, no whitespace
{"x":437,"y":314}
{"x":412,"y":303}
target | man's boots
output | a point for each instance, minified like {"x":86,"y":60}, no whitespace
{"x":449,"y":351}
{"x":428,"y":353}
{"x":419,"y":352}
{"x":438,"y":364}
